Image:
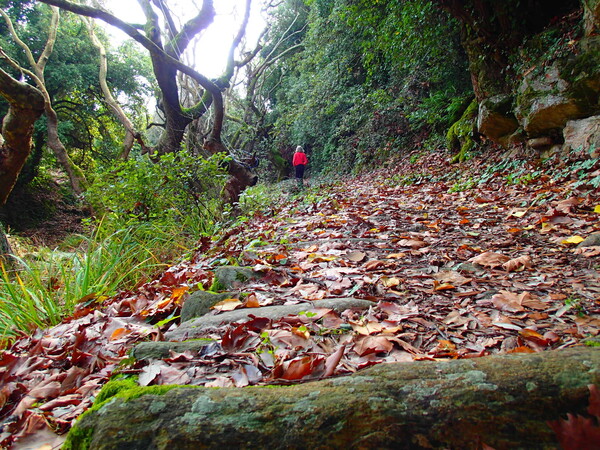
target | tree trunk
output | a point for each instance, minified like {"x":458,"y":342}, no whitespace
{"x":76,"y":176}
{"x":130,"y":133}
{"x":26,"y":106}
{"x":502,"y":401}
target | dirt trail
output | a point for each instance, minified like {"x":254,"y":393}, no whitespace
{"x":456,"y":262}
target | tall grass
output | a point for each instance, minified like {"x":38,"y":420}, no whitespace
{"x":47,"y":285}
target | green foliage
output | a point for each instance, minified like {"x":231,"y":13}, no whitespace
{"x":370,"y":78}
{"x":50,"y":283}
{"x":86,"y":126}
{"x":460,"y":134}
{"x":178,"y":192}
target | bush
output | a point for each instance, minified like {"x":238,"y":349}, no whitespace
{"x":178,"y":192}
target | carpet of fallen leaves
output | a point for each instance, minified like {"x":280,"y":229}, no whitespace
{"x":457,"y":261}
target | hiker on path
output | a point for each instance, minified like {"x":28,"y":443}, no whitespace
{"x":300,"y":161}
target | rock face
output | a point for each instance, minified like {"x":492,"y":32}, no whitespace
{"x":583,"y":135}
{"x":553,"y":103}
{"x":496,"y":119}
{"x":502,"y":401}
{"x":547,"y":78}
{"x":567,"y":90}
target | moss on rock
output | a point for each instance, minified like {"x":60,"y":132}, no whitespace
{"x":460,"y":135}
{"x":503,"y":400}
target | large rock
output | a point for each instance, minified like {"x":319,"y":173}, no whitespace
{"x":234,"y":277}
{"x":583,"y":135}
{"x":495,"y":119}
{"x":502,"y":401}
{"x":160,"y":350}
{"x":200,"y":303}
{"x":568,"y":89}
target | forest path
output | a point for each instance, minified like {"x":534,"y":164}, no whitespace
{"x":456,"y":262}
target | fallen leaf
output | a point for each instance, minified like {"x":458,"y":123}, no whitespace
{"x":518,"y":212}
{"x":535,"y":337}
{"x":372,"y":344}
{"x":396,"y":255}
{"x":333,"y":360}
{"x":520,"y":263}
{"x":415,"y":244}
{"x":507,"y":301}
{"x":521,"y":349}
{"x":356,"y":256}
{"x":572,"y":240}
{"x":490,"y":259}
{"x":507,"y":326}
{"x":299,"y":368}
{"x":229,"y":304}
{"x":119,"y":333}
{"x":390,"y":281}
{"x":251,"y":302}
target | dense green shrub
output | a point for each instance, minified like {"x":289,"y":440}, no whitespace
{"x":178,"y":192}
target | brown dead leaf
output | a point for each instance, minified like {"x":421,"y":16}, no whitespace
{"x":366,"y":328}
{"x":375,"y":265}
{"x":521,"y":349}
{"x":451,"y":277}
{"x":372,"y":344}
{"x":520,"y":263}
{"x":229,"y":304}
{"x":415,"y":244}
{"x":396,"y":255}
{"x":333,"y":360}
{"x":507,"y":301}
{"x":565,"y":206}
{"x":356,"y":256}
{"x":251,"y":302}
{"x":390,"y":281}
{"x":490,"y":259}
{"x":587,"y":252}
{"x":298,"y":368}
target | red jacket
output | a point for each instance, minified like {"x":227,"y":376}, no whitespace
{"x":299,"y":158}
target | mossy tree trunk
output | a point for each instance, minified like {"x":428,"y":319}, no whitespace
{"x":503,"y":401}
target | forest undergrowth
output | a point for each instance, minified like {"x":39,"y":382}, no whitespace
{"x":495,"y":255}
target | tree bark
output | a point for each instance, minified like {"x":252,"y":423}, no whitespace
{"x":130,"y":132}
{"x":76,"y":176}
{"x":502,"y":401}
{"x":26,"y":105}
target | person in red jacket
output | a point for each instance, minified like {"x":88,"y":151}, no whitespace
{"x":300,"y":161}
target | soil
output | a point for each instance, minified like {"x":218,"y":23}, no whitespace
{"x":43,"y":213}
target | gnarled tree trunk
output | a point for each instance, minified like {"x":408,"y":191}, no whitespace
{"x":26,"y":105}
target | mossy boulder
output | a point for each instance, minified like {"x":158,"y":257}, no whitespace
{"x":233,"y":277}
{"x":568,"y":89}
{"x":200,"y":303}
{"x":583,"y":135}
